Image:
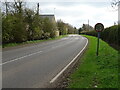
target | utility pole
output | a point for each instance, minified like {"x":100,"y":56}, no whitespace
{"x":54,"y":11}
{"x":38,"y":8}
{"x":88,"y":24}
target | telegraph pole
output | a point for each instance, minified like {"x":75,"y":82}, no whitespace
{"x":38,"y":8}
{"x":88,"y":24}
{"x":54,"y":11}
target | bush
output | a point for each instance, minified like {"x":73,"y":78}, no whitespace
{"x":37,"y":33}
{"x":7,"y":27}
{"x":19,"y":31}
{"x":45,"y":35}
{"x":110,"y":34}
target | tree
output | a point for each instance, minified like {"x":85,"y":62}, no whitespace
{"x":75,"y":30}
{"x":49,"y":28}
{"x":18,"y":6}
{"x":79,"y":30}
{"x":71,"y":30}
{"x":87,"y":27}
{"x":62,"y":27}
{"x":19,"y":29}
{"x":115,"y":3}
{"x":37,"y":27}
{"x":66,"y":28}
{"x":29,"y":16}
{"x":14,"y":25}
{"x":7,"y":27}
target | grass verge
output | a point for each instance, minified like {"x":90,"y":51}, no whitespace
{"x":31,"y":42}
{"x":96,"y":71}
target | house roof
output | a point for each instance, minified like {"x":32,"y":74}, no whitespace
{"x":47,"y":15}
{"x":50,"y":16}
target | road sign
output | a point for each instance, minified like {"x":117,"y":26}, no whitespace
{"x":99,"y":27}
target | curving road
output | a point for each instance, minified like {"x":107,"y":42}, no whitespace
{"x":34,"y":66}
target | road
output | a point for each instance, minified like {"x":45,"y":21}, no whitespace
{"x":34,"y":66}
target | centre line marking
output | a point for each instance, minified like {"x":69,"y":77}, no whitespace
{"x":21,"y":57}
{"x":51,"y":81}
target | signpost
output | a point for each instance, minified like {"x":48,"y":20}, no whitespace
{"x":99,"y":27}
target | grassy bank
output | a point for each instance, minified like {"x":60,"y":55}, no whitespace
{"x":96,"y":71}
{"x":31,"y":42}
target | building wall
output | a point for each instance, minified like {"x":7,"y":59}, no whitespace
{"x":57,"y":33}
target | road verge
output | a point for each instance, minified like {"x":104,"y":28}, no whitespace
{"x":96,"y":71}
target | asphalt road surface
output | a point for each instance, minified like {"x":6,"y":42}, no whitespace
{"x":34,"y":66}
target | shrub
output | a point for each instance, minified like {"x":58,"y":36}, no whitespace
{"x":110,"y":34}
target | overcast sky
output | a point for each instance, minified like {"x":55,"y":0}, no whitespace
{"x":77,"y":12}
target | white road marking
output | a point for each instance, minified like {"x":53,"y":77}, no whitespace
{"x":21,"y":57}
{"x":51,"y":81}
{"x":83,"y":38}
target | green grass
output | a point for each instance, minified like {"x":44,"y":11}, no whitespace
{"x":30,"y":42}
{"x":96,"y":71}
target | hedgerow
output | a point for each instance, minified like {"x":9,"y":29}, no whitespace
{"x":110,"y":34}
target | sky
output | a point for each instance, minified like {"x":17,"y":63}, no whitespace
{"x":78,"y":12}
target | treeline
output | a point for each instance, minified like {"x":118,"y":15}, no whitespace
{"x":110,"y":34}
{"x":20,"y":24}
{"x":85,"y":27}
{"x":65,"y":28}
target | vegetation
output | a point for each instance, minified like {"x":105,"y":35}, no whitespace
{"x":110,"y":35}
{"x":115,"y":4}
{"x":66,"y":28}
{"x":21,"y":24}
{"x":96,"y":71}
{"x":87,"y":27}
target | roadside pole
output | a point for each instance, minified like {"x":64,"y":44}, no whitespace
{"x":98,"y":44}
{"x":99,"y":27}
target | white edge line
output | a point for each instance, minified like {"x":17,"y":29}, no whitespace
{"x":68,"y":64}
{"x":20,"y":58}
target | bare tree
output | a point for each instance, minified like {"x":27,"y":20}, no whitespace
{"x":7,"y":6}
{"x":115,"y":4}
{"x":18,"y":6}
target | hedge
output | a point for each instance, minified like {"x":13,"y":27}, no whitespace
{"x":110,"y":34}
